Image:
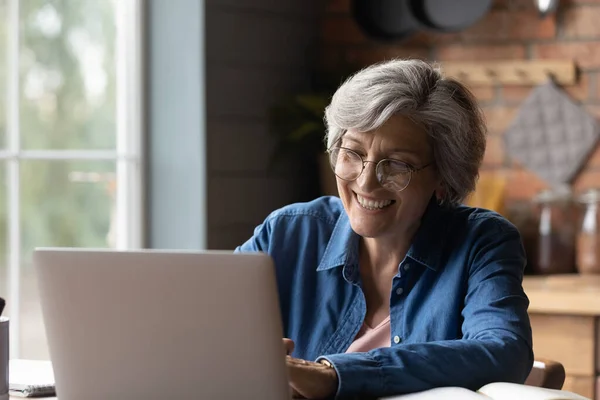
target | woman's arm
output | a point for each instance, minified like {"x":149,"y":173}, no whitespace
{"x":496,"y":343}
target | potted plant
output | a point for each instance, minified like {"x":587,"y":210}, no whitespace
{"x":297,"y":122}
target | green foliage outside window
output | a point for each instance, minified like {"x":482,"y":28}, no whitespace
{"x":67,"y":101}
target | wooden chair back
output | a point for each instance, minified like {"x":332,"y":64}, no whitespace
{"x":547,"y":374}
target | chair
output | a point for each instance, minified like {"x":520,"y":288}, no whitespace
{"x":547,"y":374}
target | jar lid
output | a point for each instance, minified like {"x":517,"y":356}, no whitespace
{"x":590,"y":196}
{"x":557,"y":193}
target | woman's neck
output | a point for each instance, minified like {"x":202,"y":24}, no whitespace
{"x":383,"y":254}
{"x":379,"y":260}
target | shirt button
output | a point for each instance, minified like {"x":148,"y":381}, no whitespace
{"x":407,"y":267}
{"x":399,"y":291}
{"x":396,"y":339}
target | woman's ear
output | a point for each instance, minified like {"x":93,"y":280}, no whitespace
{"x":440,"y":191}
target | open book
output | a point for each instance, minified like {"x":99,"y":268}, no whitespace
{"x":30,"y":378}
{"x":492,"y":391}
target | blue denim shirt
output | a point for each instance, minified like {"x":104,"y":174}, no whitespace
{"x":457,"y":308}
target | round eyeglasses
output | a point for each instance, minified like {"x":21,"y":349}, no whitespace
{"x":394,"y":175}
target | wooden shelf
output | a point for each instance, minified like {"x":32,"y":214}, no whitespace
{"x":512,"y":72}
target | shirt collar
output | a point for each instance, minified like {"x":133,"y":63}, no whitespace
{"x":342,"y":248}
{"x":430,"y":238}
{"x":426,"y":248}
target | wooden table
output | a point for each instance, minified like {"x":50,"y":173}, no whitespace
{"x":565,"y":318}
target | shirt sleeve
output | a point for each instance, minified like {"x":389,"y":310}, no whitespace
{"x":258,"y":242}
{"x":496,"y":342}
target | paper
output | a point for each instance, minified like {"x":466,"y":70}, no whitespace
{"x":446,"y":393}
{"x":513,"y":391}
{"x":492,"y":391}
{"x":495,"y":391}
{"x":29,"y":378}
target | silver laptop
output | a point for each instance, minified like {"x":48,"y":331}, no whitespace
{"x":162,"y":325}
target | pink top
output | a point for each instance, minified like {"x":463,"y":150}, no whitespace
{"x":371,"y":338}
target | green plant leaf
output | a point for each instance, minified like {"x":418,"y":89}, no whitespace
{"x":297,"y":121}
{"x":314,"y":103}
{"x":305,"y":130}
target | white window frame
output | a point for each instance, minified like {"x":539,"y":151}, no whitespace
{"x":128,"y":154}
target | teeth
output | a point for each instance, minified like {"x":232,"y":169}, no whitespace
{"x":373,"y":205}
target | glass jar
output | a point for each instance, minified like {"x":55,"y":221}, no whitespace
{"x":556,"y":232}
{"x":588,"y":238}
{"x":524,"y":217}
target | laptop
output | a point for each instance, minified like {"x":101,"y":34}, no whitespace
{"x":156,"y":324}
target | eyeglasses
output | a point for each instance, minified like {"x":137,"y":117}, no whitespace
{"x":393,"y":175}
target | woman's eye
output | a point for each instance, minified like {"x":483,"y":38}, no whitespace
{"x":357,"y":151}
{"x":392,"y":167}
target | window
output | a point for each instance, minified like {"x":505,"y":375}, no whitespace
{"x":70,"y":140}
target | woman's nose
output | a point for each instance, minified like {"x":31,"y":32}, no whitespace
{"x":367,"y":180}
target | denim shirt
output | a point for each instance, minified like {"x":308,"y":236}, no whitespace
{"x":458,"y":313}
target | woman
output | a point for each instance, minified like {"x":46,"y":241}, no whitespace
{"x":396,"y":287}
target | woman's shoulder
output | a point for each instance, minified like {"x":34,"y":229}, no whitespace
{"x":325,"y":209}
{"x":314,"y":220}
{"x":474,"y":218}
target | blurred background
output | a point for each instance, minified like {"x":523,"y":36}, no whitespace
{"x":181,"y":124}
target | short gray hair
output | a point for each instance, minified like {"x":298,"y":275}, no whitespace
{"x":444,"y":107}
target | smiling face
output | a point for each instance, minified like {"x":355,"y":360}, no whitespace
{"x":373,"y":210}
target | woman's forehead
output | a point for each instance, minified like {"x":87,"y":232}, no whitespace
{"x":398,"y":133}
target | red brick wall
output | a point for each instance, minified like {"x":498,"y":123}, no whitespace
{"x":512,"y":30}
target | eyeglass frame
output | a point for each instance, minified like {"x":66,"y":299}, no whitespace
{"x":411,"y":168}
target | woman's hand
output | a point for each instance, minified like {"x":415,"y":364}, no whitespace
{"x":288,"y":345}
{"x":311,"y":380}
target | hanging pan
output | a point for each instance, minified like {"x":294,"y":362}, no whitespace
{"x":449,"y":16}
{"x":385,"y":19}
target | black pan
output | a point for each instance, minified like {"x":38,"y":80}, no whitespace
{"x":449,"y":15}
{"x":385,"y":19}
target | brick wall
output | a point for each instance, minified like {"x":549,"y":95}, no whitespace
{"x":511,"y":30}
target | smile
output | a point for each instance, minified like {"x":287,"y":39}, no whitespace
{"x":371,"y":204}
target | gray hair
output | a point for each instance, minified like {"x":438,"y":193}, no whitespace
{"x":444,"y":107}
